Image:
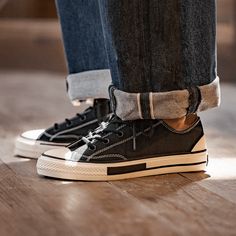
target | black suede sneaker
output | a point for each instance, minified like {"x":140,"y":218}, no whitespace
{"x":34,"y":142}
{"x":128,"y":149}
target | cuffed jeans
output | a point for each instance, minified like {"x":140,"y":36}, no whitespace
{"x":161,"y":55}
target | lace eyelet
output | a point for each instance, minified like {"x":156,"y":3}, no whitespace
{"x":92,"y":148}
{"x":106,"y":141}
{"x":83,"y":118}
{"x":69,"y":125}
{"x":120,"y":134}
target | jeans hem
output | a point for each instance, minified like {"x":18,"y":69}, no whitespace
{"x":88,"y":85}
{"x":163,"y":105}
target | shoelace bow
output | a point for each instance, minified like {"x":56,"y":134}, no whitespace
{"x":110,"y":127}
{"x":90,"y":136}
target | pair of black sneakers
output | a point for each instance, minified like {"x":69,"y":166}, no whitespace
{"x":96,"y":145}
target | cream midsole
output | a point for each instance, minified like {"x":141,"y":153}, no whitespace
{"x":91,"y":171}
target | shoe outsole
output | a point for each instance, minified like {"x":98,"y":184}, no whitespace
{"x":70,"y":170}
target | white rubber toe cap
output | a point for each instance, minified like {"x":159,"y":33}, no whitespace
{"x":32,"y":134}
{"x":65,"y":153}
{"x":61,"y":153}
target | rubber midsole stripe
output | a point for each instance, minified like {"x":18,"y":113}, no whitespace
{"x":142,"y":167}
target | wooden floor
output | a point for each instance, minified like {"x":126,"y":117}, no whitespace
{"x":174,"y":204}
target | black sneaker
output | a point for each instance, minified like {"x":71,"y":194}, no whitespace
{"x":34,"y":142}
{"x":129,"y":149}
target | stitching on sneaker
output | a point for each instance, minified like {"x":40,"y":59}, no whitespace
{"x":72,"y":129}
{"x":104,"y":156}
{"x":123,"y":141}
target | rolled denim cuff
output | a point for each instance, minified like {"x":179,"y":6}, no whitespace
{"x":165,"y":105}
{"x":88,"y":84}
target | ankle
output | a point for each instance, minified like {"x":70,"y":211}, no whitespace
{"x":182,"y":123}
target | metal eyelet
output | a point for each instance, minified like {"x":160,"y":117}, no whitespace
{"x":120,"y":134}
{"x":83,"y":118}
{"x":92,"y":148}
{"x":106,"y":140}
{"x":69,"y":125}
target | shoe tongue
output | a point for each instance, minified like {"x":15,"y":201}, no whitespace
{"x":101,"y":109}
{"x":114,"y":122}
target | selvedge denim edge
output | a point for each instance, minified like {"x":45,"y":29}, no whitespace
{"x":164,"y":105}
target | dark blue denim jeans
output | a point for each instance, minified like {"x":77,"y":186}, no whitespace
{"x":161,"y":54}
{"x":87,"y":62}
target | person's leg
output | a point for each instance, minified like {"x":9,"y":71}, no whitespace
{"x":161,"y":46}
{"x":88,"y":68}
{"x":162,"y":58}
{"x":89,"y":77}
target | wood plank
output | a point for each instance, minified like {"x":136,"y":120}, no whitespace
{"x":51,"y":207}
{"x":188,"y":208}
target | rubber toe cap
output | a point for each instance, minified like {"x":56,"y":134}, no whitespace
{"x":32,"y":134}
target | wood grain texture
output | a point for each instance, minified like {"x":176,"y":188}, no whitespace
{"x":174,"y":204}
